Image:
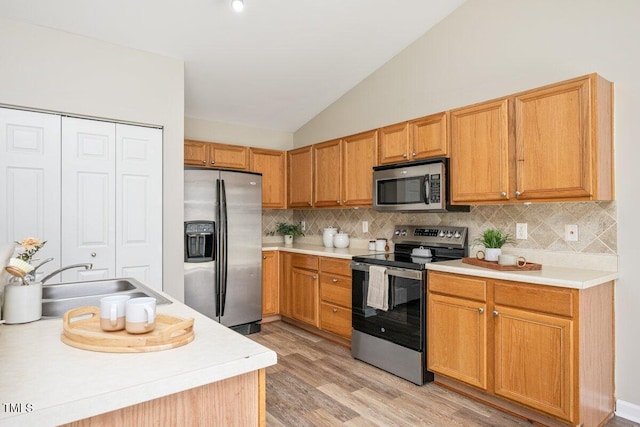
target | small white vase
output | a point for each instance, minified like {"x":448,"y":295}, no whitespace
{"x":288,"y":239}
{"x":22,"y":304}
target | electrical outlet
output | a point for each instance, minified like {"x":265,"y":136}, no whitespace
{"x":303,"y":225}
{"x":571,"y":232}
{"x":521,"y":231}
{"x":365,"y":226}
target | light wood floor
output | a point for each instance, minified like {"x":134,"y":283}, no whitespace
{"x":318,"y":383}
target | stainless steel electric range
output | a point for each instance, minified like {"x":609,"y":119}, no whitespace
{"x":393,"y":336}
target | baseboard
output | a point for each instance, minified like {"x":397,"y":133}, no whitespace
{"x":629,"y":411}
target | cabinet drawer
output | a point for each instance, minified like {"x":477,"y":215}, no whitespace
{"x":307,"y":262}
{"x":335,"y":289}
{"x":459,"y":286}
{"x":335,"y":266}
{"x":335,"y":319}
{"x":539,"y":298}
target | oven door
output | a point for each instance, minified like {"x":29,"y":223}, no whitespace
{"x":404,"y":322}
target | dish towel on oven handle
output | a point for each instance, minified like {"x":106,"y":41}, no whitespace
{"x":378,"y":293}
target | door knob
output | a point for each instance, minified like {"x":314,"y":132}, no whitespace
{"x":413,"y":154}
{"x":334,"y":280}
{"x":204,"y":162}
{"x":93,"y":254}
{"x":335,"y":310}
{"x":518,"y":194}
{"x":503,"y":194}
{"x":264,"y":257}
{"x":404,"y":155}
{"x":495,"y":312}
{"x":213,"y":162}
{"x":480,"y":310}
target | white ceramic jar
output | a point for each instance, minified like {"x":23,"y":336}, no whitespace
{"x":341,"y":240}
{"x":327,"y":236}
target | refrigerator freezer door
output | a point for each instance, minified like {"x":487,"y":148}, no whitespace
{"x":200,"y":205}
{"x":243,"y":291}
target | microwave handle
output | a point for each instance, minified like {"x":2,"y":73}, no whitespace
{"x":427,"y":189}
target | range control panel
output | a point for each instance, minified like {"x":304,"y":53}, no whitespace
{"x":448,"y":236}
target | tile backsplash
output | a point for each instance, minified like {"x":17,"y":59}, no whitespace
{"x":596,"y":221}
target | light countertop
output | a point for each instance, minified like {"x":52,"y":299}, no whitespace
{"x":571,"y":273}
{"x":319,"y":250}
{"x":578,"y":278}
{"x":52,"y":383}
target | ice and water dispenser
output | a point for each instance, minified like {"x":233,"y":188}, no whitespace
{"x":199,"y":241}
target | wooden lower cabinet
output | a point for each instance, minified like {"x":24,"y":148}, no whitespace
{"x":237,"y":401}
{"x":315,"y":293}
{"x":335,"y":296}
{"x":542,"y":352}
{"x":304,"y":296}
{"x":270,"y":283}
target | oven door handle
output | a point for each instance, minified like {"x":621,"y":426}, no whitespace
{"x":398,"y":272}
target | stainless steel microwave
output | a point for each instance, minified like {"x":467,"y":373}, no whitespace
{"x":414,"y":186}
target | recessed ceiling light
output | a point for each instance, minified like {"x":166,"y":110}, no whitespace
{"x":237,"y":5}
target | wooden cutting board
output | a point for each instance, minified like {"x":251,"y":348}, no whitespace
{"x":530,"y":266}
{"x":85,"y":333}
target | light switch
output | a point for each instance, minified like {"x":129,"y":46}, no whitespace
{"x":365,"y":226}
{"x":521,"y":231}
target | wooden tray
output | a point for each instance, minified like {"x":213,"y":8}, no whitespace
{"x":530,"y":266}
{"x":170,"y":332}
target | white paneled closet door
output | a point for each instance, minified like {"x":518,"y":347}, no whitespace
{"x":139,"y":204}
{"x":88,"y":198}
{"x":30,"y":180}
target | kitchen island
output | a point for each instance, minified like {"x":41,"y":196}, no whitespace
{"x":48,"y":383}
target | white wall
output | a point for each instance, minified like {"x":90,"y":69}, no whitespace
{"x":205,"y":130}
{"x":57,"y":71}
{"x":490,"y":48}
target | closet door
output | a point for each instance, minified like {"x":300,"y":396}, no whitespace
{"x":139,"y":204}
{"x":88,"y":198}
{"x":30,"y":180}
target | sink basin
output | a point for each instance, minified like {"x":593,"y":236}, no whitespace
{"x":59,"y":298}
{"x":81,"y":289}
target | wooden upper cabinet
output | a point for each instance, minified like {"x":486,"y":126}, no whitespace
{"x":394,"y":144}
{"x":228,"y":156}
{"x":300,"y":178}
{"x":428,"y":137}
{"x":563,"y":141}
{"x":196,"y":153}
{"x":327,"y":167}
{"x":359,"y":156}
{"x":479,"y":162}
{"x":417,"y":139}
{"x":272,"y":165}
{"x":547,"y":144}
{"x":212,"y":154}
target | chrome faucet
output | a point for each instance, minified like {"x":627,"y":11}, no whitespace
{"x":33,"y":272}
{"x":60,"y":270}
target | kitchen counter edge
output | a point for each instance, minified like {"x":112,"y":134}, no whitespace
{"x":48,"y":373}
{"x":576,"y":278}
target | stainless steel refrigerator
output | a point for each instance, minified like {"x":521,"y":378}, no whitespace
{"x":223,"y":246}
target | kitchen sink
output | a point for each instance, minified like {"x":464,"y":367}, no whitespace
{"x":59,"y":298}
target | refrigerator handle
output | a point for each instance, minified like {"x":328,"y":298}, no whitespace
{"x":218,"y":244}
{"x":223,"y":254}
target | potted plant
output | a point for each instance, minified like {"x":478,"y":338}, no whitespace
{"x":492,"y":239}
{"x":288,"y":231}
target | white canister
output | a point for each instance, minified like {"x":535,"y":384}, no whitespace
{"x":327,"y":236}
{"x":22,"y":304}
{"x":381,"y":244}
{"x":341,"y":240}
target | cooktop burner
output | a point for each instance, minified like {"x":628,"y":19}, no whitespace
{"x":445,"y":243}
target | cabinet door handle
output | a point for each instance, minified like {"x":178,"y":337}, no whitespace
{"x":503,"y":194}
{"x":204,"y":162}
{"x":518,"y":194}
{"x":335,"y":310}
{"x":264,"y":257}
{"x":338,"y":201}
{"x":480,"y":310}
{"x":413,"y":154}
{"x":495,"y":312}
{"x":213,"y":162}
{"x":344,"y":201}
{"x":309,"y":203}
{"x":314,"y":277}
{"x":404,"y":155}
{"x":93,"y":254}
{"x":334,"y":280}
